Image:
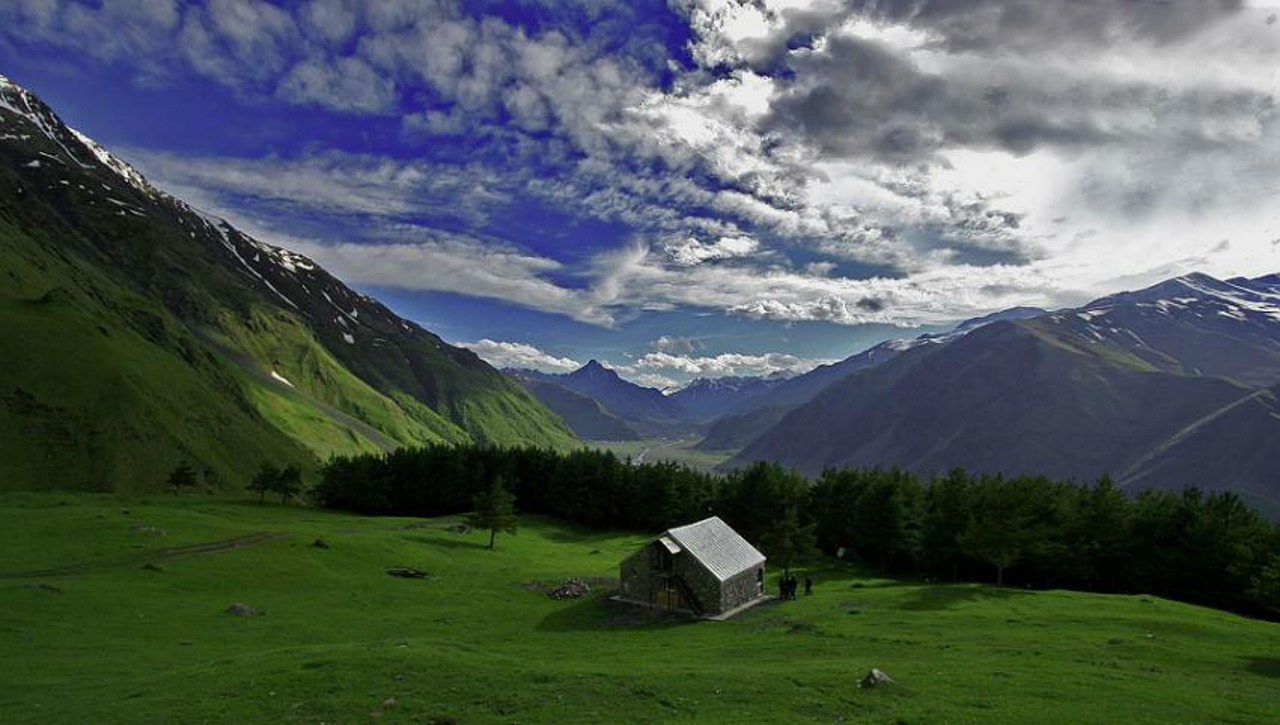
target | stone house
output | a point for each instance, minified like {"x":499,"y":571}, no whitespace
{"x":705,"y":568}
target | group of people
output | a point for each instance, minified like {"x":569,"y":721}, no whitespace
{"x":788,"y":585}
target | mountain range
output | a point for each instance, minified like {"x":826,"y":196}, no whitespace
{"x":1165,"y":387}
{"x":1170,"y":386}
{"x":644,"y":410}
{"x":139,"y":331}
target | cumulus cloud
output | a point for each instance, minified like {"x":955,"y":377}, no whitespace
{"x":520,"y":355}
{"x":848,"y":161}
{"x":690,"y":251}
{"x":669,"y":366}
{"x":677,"y":344}
{"x":345,"y":84}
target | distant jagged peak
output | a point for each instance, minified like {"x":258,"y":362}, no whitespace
{"x":594,"y":369}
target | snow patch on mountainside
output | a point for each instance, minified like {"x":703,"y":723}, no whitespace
{"x":221,"y":226}
{"x":110,"y":161}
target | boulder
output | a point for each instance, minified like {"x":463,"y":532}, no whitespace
{"x":243,"y":610}
{"x":874,"y":678}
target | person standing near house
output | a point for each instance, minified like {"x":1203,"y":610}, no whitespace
{"x":808,"y":585}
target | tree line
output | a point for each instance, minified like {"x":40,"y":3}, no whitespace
{"x":1196,"y":546}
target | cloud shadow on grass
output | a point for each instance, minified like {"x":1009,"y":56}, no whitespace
{"x":1265,"y":666}
{"x":945,"y":596}
{"x":597,"y":613}
{"x":463,"y":541}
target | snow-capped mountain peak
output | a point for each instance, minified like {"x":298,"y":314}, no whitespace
{"x":72,"y":143}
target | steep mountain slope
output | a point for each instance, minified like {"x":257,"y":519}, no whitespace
{"x":584,"y":416}
{"x":139,"y":331}
{"x":1116,"y":387}
{"x":1230,"y":448}
{"x":1194,"y":325}
{"x":750,"y":419}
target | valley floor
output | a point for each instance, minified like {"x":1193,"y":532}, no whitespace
{"x":674,"y":450}
{"x":114,"y":609}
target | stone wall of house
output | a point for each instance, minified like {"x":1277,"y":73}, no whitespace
{"x":704,"y":584}
{"x":637,"y":575}
{"x":740,"y":589}
{"x":640,"y":582}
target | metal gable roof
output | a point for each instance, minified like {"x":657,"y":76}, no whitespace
{"x":721,"y":549}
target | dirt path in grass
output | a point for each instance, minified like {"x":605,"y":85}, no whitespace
{"x":210,"y":547}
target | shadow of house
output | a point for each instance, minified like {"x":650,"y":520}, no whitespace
{"x":705,"y":568}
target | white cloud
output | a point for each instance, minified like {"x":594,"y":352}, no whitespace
{"x":461,"y":265}
{"x":677,"y":344}
{"x":690,"y":251}
{"x":520,"y":355}
{"x":333,"y":20}
{"x":670,"y":367}
{"x":1030,"y":163}
{"x":344,"y":84}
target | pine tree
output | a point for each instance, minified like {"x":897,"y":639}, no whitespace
{"x":264,"y":481}
{"x":786,"y":542}
{"x":495,"y":510}
{"x":288,"y":483}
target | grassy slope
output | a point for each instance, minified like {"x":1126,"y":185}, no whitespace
{"x":476,"y":644}
{"x":190,"y":341}
{"x":121,"y":390}
{"x":273,"y":339}
{"x":118,"y":407}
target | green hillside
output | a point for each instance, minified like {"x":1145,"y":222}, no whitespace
{"x":139,"y":332}
{"x":103,"y":638}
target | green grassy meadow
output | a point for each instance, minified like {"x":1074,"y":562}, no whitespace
{"x":89,"y":633}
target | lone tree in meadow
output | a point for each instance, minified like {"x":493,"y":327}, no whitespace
{"x":182,"y":476}
{"x":288,"y":483}
{"x":264,"y":480}
{"x":495,"y":510}
{"x":285,"y":482}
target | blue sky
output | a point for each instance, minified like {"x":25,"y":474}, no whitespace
{"x":693,"y":187}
